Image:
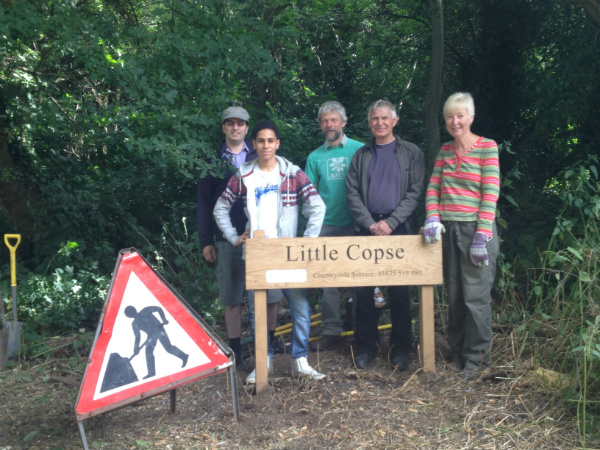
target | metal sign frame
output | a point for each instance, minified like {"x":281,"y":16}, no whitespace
{"x":228,"y":367}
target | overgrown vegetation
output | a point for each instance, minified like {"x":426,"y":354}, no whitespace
{"x":553,"y":307}
{"x":109,"y":110}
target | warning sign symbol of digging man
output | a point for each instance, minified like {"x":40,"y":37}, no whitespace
{"x":119,"y":371}
{"x":148,"y":340}
{"x":155,"y":331}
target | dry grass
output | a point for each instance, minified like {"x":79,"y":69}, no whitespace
{"x":374,"y":409}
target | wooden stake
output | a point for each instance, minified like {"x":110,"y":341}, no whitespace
{"x":260,"y":332}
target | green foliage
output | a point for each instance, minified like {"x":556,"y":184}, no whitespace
{"x":64,"y":300}
{"x":563,"y":292}
{"x":110,"y":108}
{"x":110,"y":118}
{"x":178,"y":257}
{"x":588,"y":359}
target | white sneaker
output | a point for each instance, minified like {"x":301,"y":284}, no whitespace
{"x":301,"y":369}
{"x":251,"y":379}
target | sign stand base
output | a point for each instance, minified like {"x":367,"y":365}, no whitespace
{"x":173,"y":400}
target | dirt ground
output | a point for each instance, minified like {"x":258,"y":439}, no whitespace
{"x":369,"y":409}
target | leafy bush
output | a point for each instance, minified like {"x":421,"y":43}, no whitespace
{"x":62,"y":301}
{"x":178,"y":257}
{"x":564,"y":291}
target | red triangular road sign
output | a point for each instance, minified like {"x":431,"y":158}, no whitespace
{"x":148,"y":341}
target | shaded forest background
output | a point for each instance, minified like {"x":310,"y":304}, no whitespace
{"x":109,"y":110}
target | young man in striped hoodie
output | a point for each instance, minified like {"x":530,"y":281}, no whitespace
{"x":272,"y":189}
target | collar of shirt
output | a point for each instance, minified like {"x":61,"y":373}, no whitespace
{"x":341,"y":144}
{"x":244,"y":149}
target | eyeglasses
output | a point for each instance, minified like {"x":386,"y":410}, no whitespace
{"x":233,"y":123}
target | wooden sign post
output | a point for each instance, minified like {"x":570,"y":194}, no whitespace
{"x":351,"y":261}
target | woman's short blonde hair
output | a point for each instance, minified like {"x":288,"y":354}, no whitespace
{"x":460,"y":101}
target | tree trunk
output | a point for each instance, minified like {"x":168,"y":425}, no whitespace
{"x":13,"y":194}
{"x":432,"y":107}
{"x":592,"y":7}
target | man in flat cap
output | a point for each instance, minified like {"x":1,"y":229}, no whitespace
{"x":235,"y":150}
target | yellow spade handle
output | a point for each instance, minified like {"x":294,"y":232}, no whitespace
{"x":12,"y":249}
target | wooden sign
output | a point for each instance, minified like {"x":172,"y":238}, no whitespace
{"x":351,"y":261}
{"x":342,"y":261}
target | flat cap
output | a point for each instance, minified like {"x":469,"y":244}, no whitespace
{"x":236,"y":112}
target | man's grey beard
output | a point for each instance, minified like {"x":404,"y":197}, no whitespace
{"x":335,"y":137}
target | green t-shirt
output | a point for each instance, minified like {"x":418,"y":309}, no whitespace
{"x":327,"y":167}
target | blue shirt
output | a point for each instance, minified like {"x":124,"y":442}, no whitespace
{"x":237,"y":158}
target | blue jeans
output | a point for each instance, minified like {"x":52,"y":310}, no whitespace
{"x":300,"y":310}
{"x":273,"y":296}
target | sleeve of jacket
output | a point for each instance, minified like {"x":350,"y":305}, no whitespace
{"x":223,"y":206}
{"x":311,"y":170}
{"x":204,"y":210}
{"x":416,"y":174}
{"x":358,"y":209}
{"x":315,"y":207}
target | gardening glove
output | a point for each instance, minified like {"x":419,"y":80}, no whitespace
{"x":478,"y":252}
{"x":433,"y":230}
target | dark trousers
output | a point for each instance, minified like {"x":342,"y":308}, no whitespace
{"x":367,"y":315}
{"x":469,"y":294}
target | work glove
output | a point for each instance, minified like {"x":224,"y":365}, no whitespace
{"x":478,"y":252}
{"x":433,"y":230}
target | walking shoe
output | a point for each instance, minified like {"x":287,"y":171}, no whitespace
{"x":363,"y":360}
{"x":468,"y":374}
{"x":251,"y":379}
{"x":327,"y":342}
{"x":301,"y":369}
{"x":400,"y":361}
{"x":455,"y":366}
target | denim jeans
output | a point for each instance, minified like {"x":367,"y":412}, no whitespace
{"x":300,"y":310}
{"x":273,"y":296}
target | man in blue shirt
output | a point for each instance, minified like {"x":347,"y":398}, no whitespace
{"x":231,"y":268}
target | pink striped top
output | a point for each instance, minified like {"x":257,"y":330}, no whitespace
{"x":466,"y":188}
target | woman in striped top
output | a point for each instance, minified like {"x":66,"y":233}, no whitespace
{"x":461,"y":202}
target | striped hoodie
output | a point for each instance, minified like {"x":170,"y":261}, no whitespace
{"x":295,"y":189}
{"x":465,"y":189}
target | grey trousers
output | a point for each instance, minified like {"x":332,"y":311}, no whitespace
{"x":469,"y":294}
{"x":331,"y":323}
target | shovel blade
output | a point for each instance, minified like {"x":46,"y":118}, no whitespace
{"x":14,"y":338}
